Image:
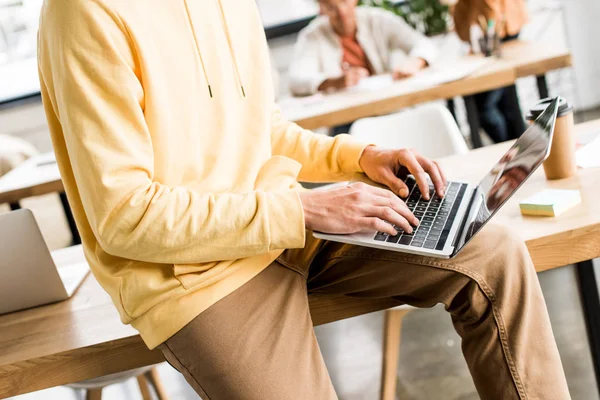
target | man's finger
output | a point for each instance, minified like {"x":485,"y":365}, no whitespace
{"x":434,"y":174}
{"x":390,"y":215}
{"x":378,"y":225}
{"x":398,"y":205}
{"x":408,"y":160}
{"x":395,"y":184}
{"x":439,"y":167}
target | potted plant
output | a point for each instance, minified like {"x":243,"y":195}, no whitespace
{"x":430,"y":17}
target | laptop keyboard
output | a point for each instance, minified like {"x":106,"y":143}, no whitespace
{"x":435,"y":215}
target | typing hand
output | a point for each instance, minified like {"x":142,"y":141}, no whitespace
{"x":355,"y":207}
{"x":409,"y":68}
{"x":383,"y":166}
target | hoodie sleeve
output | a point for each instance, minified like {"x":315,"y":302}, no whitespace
{"x":91,"y":86}
{"x":323,"y":158}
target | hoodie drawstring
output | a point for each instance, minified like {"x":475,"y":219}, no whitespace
{"x":187,"y":10}
{"x":235,"y":64}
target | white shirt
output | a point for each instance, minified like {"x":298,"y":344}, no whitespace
{"x":385,"y":38}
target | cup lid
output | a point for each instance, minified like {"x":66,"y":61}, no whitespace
{"x":564,"y":108}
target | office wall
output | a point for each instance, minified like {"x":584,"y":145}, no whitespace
{"x":582,"y":23}
{"x":546,"y":24}
{"x":276,"y":12}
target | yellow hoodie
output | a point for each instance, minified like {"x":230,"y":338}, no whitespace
{"x":180,"y":169}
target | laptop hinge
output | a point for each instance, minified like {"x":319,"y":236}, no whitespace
{"x":463,"y":223}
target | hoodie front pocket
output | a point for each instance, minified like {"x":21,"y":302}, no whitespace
{"x":197,"y":276}
{"x":143,"y":286}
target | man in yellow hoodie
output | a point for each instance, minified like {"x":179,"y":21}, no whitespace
{"x":183,"y":178}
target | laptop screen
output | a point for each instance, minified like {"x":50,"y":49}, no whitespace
{"x":519,"y":162}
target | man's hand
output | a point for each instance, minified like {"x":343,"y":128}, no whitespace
{"x":409,"y":68}
{"x":350,"y":78}
{"x":353,"y":75}
{"x":355,"y":207}
{"x":384,"y":166}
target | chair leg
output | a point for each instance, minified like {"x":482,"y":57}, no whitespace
{"x":93,"y":394}
{"x":391,"y":351}
{"x":156,"y":383}
{"x":144,"y":388}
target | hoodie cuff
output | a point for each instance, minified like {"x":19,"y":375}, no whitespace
{"x":287,"y":229}
{"x":350,"y":153}
{"x":426,"y":50}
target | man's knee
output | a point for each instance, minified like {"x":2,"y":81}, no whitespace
{"x":496,"y":254}
{"x":500,"y":241}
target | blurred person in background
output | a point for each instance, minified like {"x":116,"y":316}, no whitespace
{"x":347,"y":43}
{"x":499,"y":110}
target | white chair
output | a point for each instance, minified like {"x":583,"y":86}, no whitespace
{"x":14,"y":151}
{"x":147,"y":378}
{"x":432,"y":131}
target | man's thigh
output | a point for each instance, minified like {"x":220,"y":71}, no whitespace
{"x":494,"y":255}
{"x":257,"y":343}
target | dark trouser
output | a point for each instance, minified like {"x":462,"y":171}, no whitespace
{"x":340,"y":129}
{"x":500,"y":112}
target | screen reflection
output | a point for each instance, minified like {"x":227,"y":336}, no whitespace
{"x":519,"y":162}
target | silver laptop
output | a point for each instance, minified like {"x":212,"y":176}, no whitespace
{"x":29,"y":276}
{"x":448,"y":224}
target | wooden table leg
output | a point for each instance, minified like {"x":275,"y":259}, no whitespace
{"x":93,"y":394}
{"x":70,"y":218}
{"x":391,"y":351}
{"x":590,"y":300}
{"x":542,"y":86}
{"x":473,"y":118}
{"x":144,"y":388}
{"x":156,"y":383}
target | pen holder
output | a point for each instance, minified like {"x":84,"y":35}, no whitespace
{"x":490,"y":46}
{"x":561,"y":162}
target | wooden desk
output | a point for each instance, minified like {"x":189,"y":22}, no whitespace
{"x":552,"y":242}
{"x":35,"y":177}
{"x":519,"y":59}
{"x":82,"y":338}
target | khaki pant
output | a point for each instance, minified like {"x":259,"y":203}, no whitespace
{"x":258,"y":343}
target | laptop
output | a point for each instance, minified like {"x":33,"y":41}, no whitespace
{"x":448,"y":224}
{"x":29,"y":276}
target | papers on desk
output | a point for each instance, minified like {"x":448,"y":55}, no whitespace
{"x":374,"y":82}
{"x":588,"y":156}
{"x":35,"y":171}
{"x":380,"y":87}
{"x":450,"y":71}
{"x":290,"y":102}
